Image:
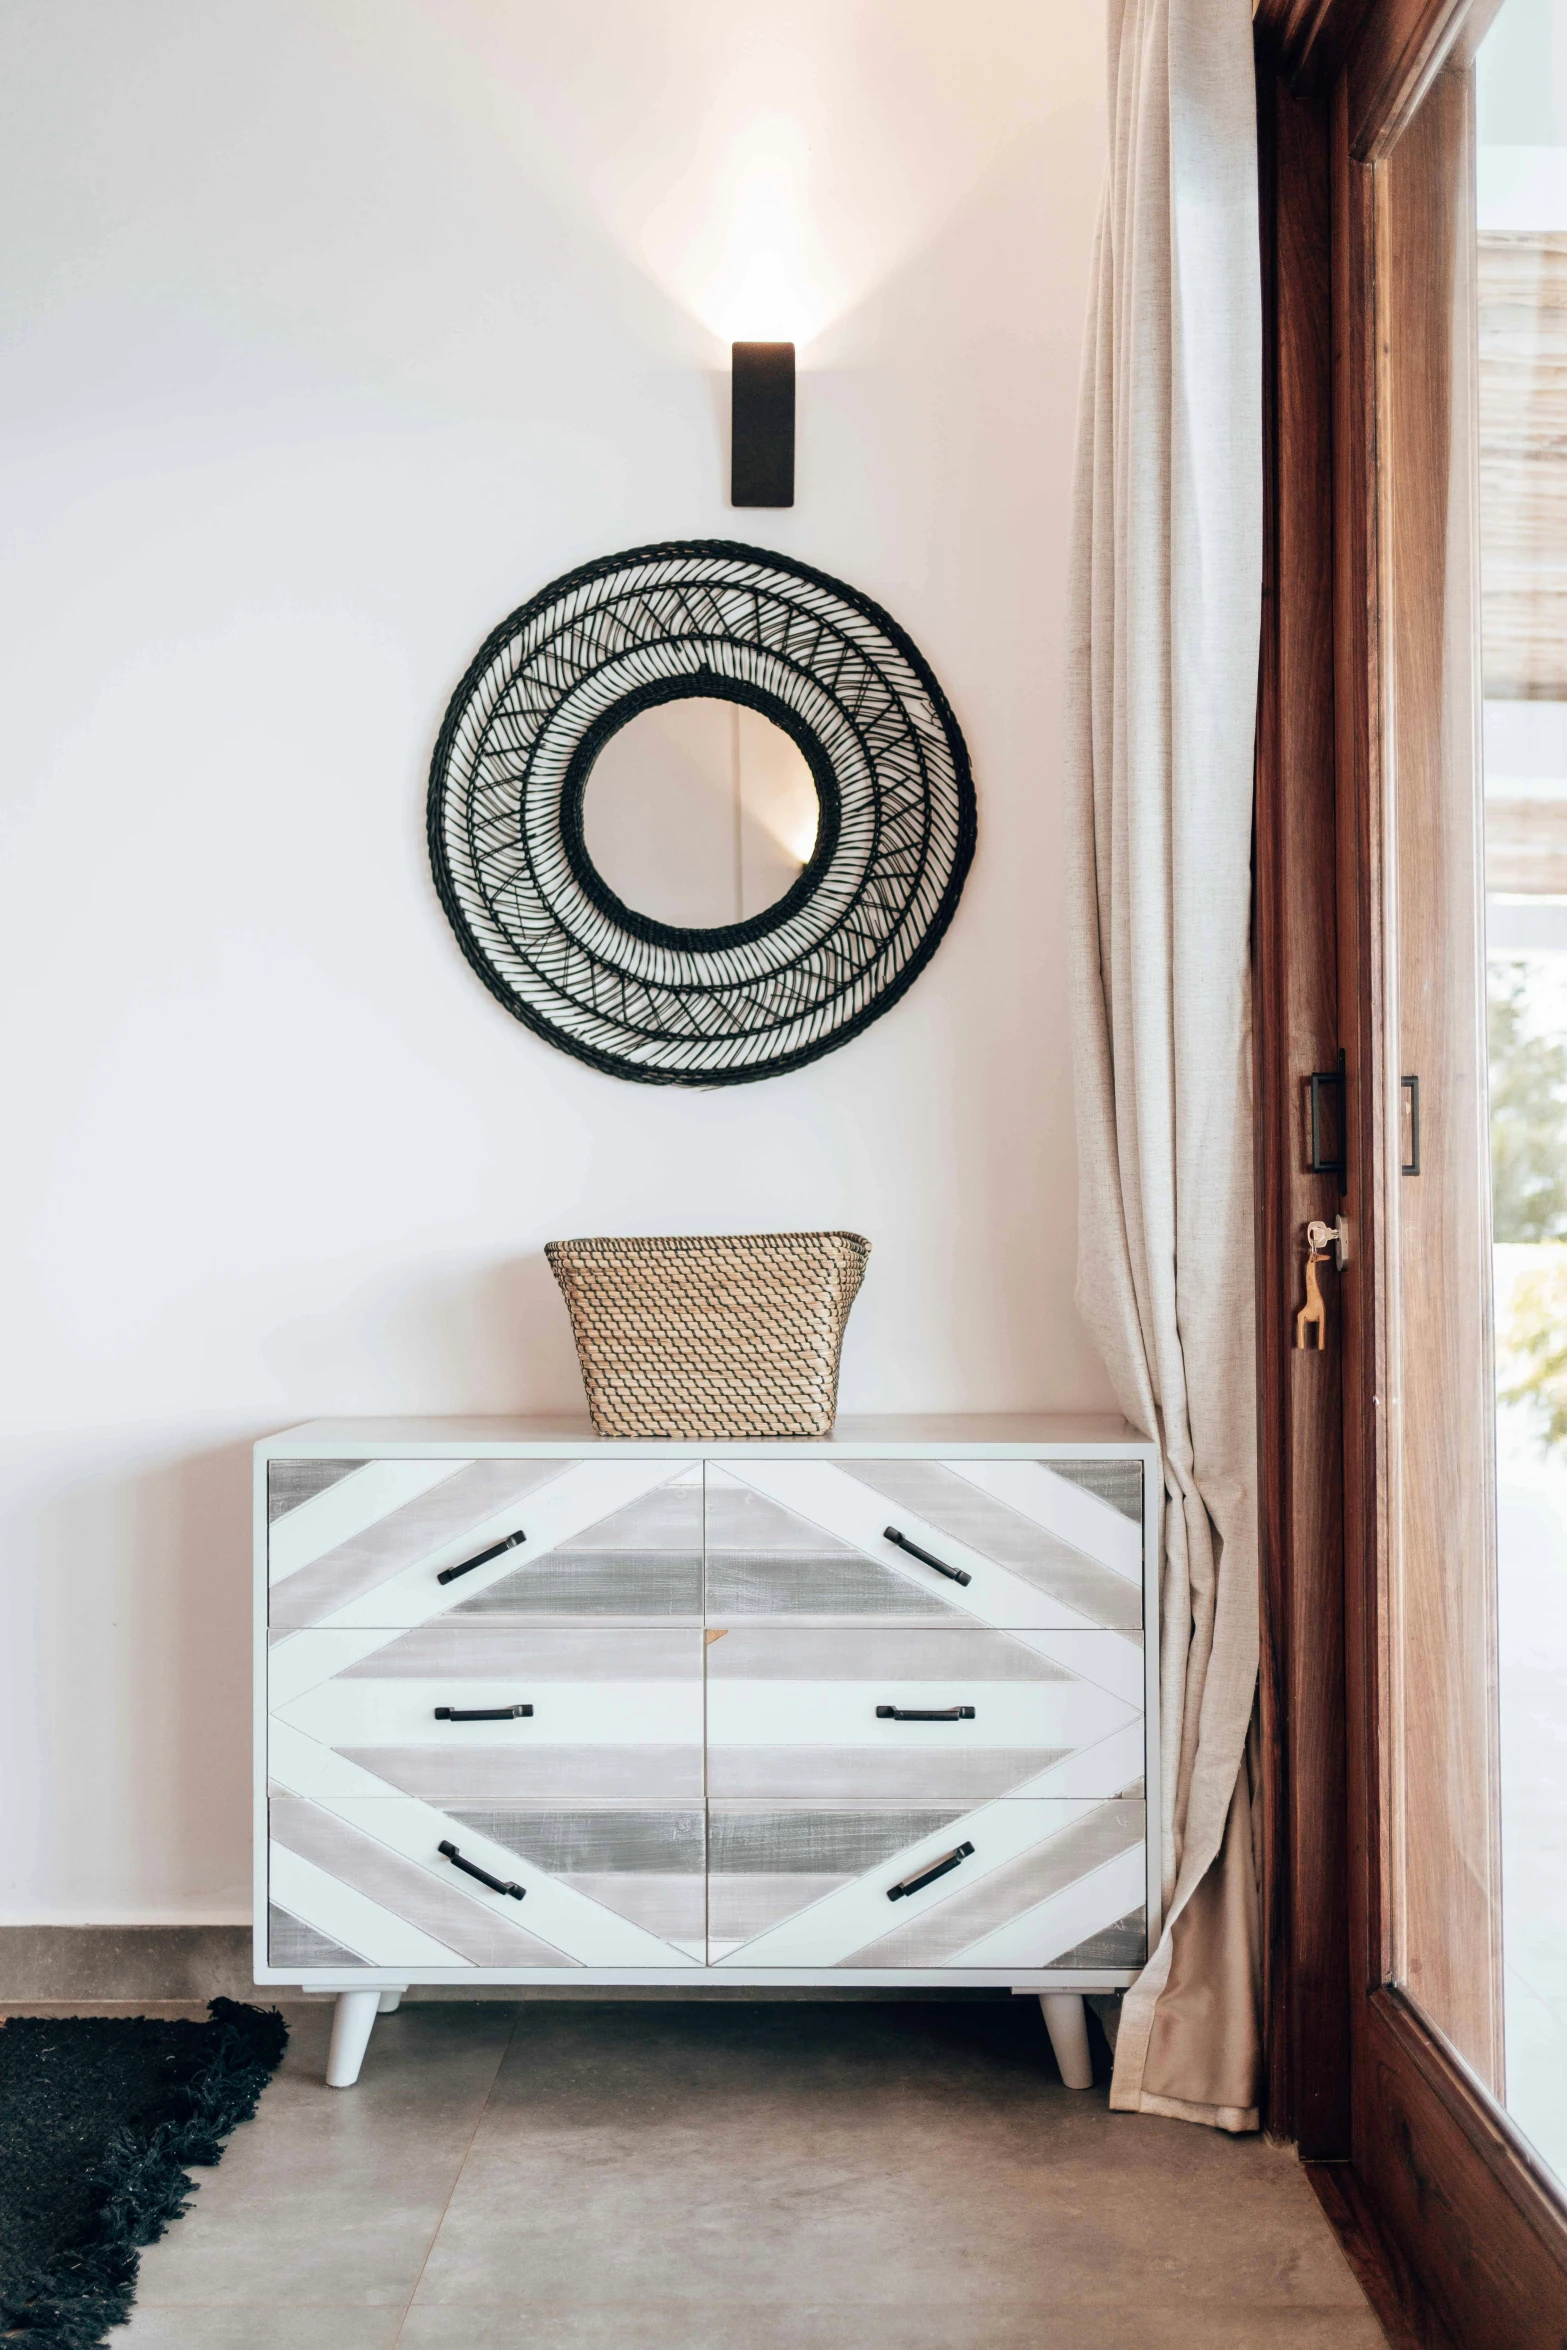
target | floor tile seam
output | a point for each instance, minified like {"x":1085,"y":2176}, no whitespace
{"x":484,"y":2107}
{"x":1095,"y":2205}
{"x":361,"y":2308}
{"x":1034,"y":2305}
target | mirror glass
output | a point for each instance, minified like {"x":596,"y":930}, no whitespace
{"x":700,"y":813}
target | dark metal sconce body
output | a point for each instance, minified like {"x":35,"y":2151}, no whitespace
{"x":761,"y":424}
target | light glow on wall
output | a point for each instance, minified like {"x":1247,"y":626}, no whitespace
{"x":736,"y":242}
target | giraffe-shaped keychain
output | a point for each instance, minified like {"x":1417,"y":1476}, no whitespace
{"x":1312,"y":1315}
{"x":1320,"y":1238}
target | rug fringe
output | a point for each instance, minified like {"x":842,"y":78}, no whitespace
{"x":141,"y":2186}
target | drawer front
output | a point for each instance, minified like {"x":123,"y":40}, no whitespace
{"x":615,"y":1714}
{"x":1046,"y":1882}
{"x":363,"y":1882}
{"x":1046,"y":1545}
{"x":807,"y":1714}
{"x":588,"y":1542}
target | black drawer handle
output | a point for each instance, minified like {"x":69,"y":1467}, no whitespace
{"x":953,"y":1574}
{"x":450,"y":1574}
{"x":914,"y":1713}
{"x":469,"y":1869}
{"x":938,"y":1868}
{"x":482,"y":1713}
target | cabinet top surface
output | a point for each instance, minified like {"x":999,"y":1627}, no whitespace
{"x":925,"y":1432}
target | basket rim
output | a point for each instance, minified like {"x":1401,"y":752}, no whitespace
{"x":684,"y":1242}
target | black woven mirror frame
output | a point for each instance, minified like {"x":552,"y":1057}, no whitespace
{"x":636,"y":997}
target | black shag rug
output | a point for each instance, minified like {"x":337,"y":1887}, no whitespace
{"x":99,"y":2116}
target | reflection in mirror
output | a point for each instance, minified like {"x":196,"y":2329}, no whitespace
{"x":700,"y":813}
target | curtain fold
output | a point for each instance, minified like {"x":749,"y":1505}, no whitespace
{"x":1164,"y":621}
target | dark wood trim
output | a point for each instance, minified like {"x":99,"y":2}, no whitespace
{"x":1402,"y":2306}
{"x":1480,"y":2231}
{"x":1306,"y":1948}
{"x":1458,"y":2234}
{"x":1396,"y":56}
{"x":1398,"y":50}
{"x":1357,"y":693}
{"x":1390,"y":48}
{"x":1506,"y":2153}
{"x":1308,"y":40}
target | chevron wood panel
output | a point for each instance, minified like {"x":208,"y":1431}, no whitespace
{"x":361,"y":1903}
{"x":643,"y":1562}
{"x":804,"y":1714}
{"x":352,"y":1853}
{"x":816,"y":1886}
{"x":704,"y":1780}
{"x":1069,"y":1543}
{"x":602,"y":1541}
{"x":806,"y":1541}
{"x":308,"y":1899}
{"x":380,"y":1876}
{"x":768,"y":1862}
{"x":317,"y":1587}
{"x":646,"y":1863}
{"x":291,"y":1482}
{"x":616,"y":1712}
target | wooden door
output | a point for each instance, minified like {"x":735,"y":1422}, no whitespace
{"x":1379,"y":1687}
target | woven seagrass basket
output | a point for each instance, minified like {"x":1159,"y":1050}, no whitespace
{"x":734,"y":1336}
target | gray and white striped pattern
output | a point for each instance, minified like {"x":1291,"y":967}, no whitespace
{"x":766,"y":1560}
{"x":727,"y":1797}
{"x":970,"y":1910}
{"x":814,"y":1887}
{"x":603,"y":1540}
{"x":465,"y":1499}
{"x":956,"y":1505}
{"x":1118,"y":1482}
{"x":793,"y":1714}
{"x":1123,"y":1943}
{"x":803,"y":1541}
{"x":291,"y":1482}
{"x":646,"y":1863}
{"x":354,"y":1857}
{"x":767,"y":1862}
{"x":616,"y":1713}
{"x":290,"y":1942}
{"x":642,"y":1562}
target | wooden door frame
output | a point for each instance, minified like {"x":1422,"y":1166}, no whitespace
{"x":1458,"y":2231}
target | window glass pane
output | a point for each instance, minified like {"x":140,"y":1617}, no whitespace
{"x":1521,"y":213}
{"x":1442,"y":1864}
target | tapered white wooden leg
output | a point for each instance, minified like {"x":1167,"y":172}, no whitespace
{"x":1066,"y":2020}
{"x":391,"y":2001}
{"x":352,"y":2019}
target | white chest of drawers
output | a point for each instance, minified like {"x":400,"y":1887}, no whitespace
{"x":873,"y":1709}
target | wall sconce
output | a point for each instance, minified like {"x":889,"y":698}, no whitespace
{"x":761,"y":424}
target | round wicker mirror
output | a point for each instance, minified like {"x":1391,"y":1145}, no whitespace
{"x":515,"y":816}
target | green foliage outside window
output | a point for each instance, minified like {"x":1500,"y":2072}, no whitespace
{"x":1529,"y":1198}
{"x":1528,"y":1116}
{"x":1533,"y":1368}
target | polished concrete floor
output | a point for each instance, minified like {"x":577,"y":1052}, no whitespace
{"x":639,"y":2176}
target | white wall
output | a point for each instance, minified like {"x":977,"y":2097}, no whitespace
{"x":333,"y":329}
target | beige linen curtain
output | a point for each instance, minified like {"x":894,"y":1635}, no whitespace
{"x":1162,"y":680}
